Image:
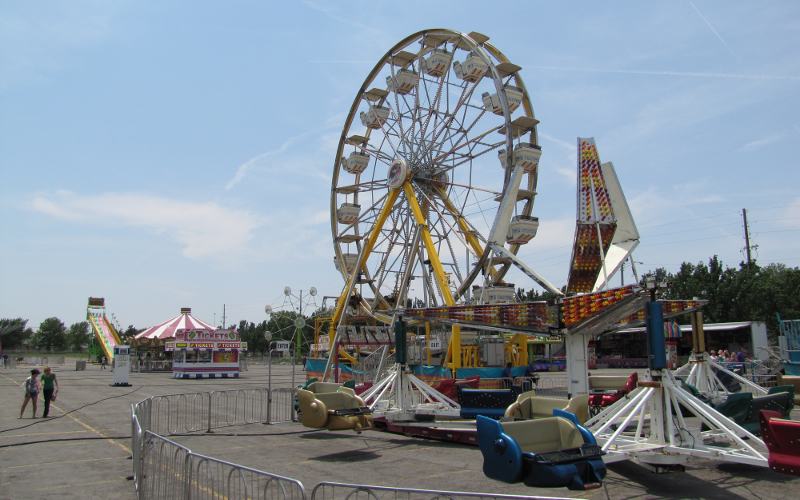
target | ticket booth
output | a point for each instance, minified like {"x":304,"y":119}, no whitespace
{"x":206,"y":354}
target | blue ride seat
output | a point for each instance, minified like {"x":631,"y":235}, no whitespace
{"x":546,"y":452}
{"x":487,"y":402}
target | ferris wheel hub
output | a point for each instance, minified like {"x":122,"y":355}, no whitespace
{"x":398,"y":173}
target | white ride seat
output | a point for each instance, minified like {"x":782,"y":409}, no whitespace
{"x":356,"y":163}
{"x":375,"y":117}
{"x":522,"y":229}
{"x":491,"y":102}
{"x":498,"y":294}
{"x":472,"y":69}
{"x":348,"y":213}
{"x":350,"y":261}
{"x":402,"y":82}
{"x":525,"y":154}
{"x":437,"y":62}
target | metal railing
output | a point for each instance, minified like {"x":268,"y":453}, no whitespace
{"x":205,"y":411}
{"x":209,"y":477}
{"x":168,"y":470}
{"x":164,"y":469}
{"x":344,"y":491}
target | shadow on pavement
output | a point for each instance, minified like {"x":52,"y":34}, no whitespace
{"x":638,"y":482}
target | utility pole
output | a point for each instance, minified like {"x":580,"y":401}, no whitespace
{"x":298,"y":332}
{"x":746,"y":237}
{"x":223,"y":316}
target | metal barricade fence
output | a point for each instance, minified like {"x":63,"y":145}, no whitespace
{"x":209,"y":477}
{"x":205,"y":411}
{"x":163,"y":467}
{"x":343,"y":491}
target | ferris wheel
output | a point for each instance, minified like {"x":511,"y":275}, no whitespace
{"x":435,"y":176}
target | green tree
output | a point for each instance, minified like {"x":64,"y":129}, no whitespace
{"x":50,"y":335}
{"x":13,"y":332}
{"x":78,"y":335}
{"x":746,"y":293}
{"x":129,"y":334}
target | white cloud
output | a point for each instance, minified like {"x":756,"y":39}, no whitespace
{"x":760,"y":143}
{"x":203,"y":229}
{"x":262,"y":160}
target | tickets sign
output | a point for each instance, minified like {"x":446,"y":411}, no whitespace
{"x":199,"y":334}
{"x":238,"y":346}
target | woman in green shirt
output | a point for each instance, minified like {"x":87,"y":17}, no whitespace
{"x":49,"y":389}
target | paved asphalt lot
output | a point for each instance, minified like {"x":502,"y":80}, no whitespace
{"x":85,"y":453}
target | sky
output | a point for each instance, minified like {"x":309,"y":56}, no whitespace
{"x":170,"y":154}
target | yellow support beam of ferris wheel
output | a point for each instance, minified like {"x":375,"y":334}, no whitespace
{"x":454,"y":348}
{"x":391,"y":198}
{"x":472,"y":241}
{"x":462,"y":223}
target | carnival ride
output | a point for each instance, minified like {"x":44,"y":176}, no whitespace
{"x":103,"y":330}
{"x":412,"y":183}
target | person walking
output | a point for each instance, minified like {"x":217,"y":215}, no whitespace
{"x":103,"y":363}
{"x":49,"y":389}
{"x":31,"y":386}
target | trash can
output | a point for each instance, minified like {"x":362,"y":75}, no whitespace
{"x":80,"y":366}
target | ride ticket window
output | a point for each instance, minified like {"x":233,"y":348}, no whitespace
{"x":191,"y":356}
{"x":204,"y":356}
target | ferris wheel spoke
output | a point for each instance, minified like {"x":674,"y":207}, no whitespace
{"x":461,"y":145}
{"x":451,"y":116}
{"x":409,"y":259}
{"x":433,"y":109}
{"x":466,"y":229}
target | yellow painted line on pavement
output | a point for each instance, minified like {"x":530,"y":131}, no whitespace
{"x":87,"y":426}
{"x":32,"y":434}
{"x":79,"y":421}
{"x":60,"y":462}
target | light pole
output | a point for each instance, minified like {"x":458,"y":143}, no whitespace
{"x":268,"y":338}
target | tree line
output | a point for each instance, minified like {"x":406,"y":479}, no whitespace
{"x":743,"y":293}
{"x":53,"y":335}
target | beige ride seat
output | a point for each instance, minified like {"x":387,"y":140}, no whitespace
{"x":325,"y":405}
{"x":529,"y":406}
{"x":607,"y":382}
{"x":544,"y":435}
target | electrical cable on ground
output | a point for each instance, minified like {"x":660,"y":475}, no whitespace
{"x":42,"y":420}
{"x":203,"y":434}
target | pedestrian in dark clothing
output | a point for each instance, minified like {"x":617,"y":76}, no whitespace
{"x":508,"y":377}
{"x":49,"y":389}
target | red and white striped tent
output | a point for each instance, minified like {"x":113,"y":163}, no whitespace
{"x":167,"y":329}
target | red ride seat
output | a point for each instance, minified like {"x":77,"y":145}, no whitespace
{"x":782,"y":438}
{"x":449,"y":387}
{"x":602,"y":399}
